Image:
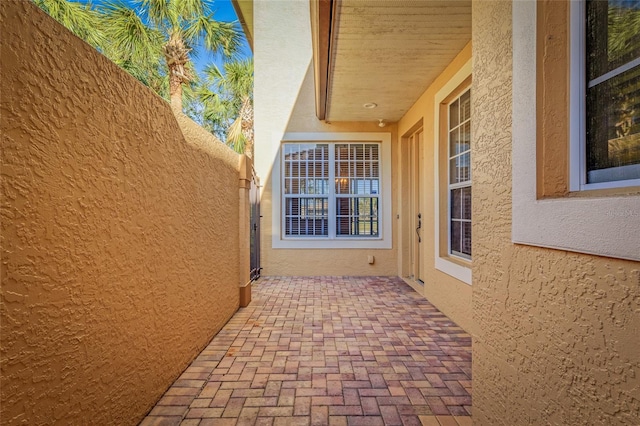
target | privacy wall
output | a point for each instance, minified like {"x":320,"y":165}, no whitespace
{"x":556,"y":333}
{"x":119,"y":235}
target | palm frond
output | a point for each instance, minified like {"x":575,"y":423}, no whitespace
{"x":235,"y":137}
{"x":206,"y":95}
{"x":78,"y":18}
{"x":623,"y":28}
{"x":149,"y":76}
{"x":189,"y":9}
{"x":227,"y":99}
{"x":129,"y":36}
{"x":218,"y":37}
{"x":157,"y":11}
{"x":239,"y":77}
{"x":213,"y":73}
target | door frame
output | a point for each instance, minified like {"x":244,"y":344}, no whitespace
{"x":412,"y":203}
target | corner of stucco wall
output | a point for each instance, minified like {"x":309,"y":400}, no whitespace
{"x":555,"y":339}
{"x":197,"y":136}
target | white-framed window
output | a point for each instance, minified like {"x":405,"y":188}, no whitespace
{"x":306,"y":189}
{"x":452,"y":174}
{"x":602,"y":224}
{"x":334,"y":191}
{"x":459,"y":185}
{"x":331,"y":190}
{"x":605,"y":103}
{"x":357,"y":189}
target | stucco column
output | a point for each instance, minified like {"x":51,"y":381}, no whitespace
{"x":245,"y":167}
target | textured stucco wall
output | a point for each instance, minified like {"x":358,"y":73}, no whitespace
{"x":450,"y":295}
{"x":285,"y":102}
{"x":119,"y":236}
{"x":556,"y":333}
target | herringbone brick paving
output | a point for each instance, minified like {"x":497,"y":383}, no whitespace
{"x":327,"y":351}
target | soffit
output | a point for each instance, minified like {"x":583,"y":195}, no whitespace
{"x":244,"y":10}
{"x":389,"y":52}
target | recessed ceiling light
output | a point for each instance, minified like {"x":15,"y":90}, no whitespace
{"x":370,"y":105}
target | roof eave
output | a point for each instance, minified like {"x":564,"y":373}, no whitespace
{"x":322,"y":21}
{"x":244,"y":10}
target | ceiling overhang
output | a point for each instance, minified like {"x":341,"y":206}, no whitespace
{"x":382,"y":52}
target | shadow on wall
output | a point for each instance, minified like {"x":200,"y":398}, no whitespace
{"x":119,"y":232}
{"x":302,"y":118}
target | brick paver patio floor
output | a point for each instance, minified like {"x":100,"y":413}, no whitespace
{"x":327,"y":351}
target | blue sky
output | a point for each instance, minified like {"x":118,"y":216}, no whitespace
{"x":223,"y":11}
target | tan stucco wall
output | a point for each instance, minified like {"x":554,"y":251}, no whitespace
{"x":450,"y":295}
{"x":119,"y":235}
{"x":285,"y":102}
{"x":556,"y":333}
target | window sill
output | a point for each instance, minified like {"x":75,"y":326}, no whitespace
{"x":457,"y":268}
{"x":326,"y":243}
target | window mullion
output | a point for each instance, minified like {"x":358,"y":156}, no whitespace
{"x":614,"y":73}
{"x":458,"y":185}
{"x":332,"y":192}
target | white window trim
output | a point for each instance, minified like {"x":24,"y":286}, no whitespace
{"x":577,"y":129}
{"x":384,"y":241}
{"x":605,"y":225}
{"x":443,"y":264}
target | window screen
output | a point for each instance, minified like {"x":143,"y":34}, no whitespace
{"x":613,"y":90}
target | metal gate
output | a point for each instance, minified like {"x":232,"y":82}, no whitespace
{"x":254,"y":201}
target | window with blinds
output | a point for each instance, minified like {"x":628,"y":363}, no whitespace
{"x":357,"y":177}
{"x":306,"y":189}
{"x":347,"y":208}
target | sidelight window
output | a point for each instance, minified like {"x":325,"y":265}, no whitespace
{"x":459,"y":136}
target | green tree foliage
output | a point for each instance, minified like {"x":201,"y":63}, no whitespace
{"x":623,"y":32}
{"x":140,"y":33}
{"x":226,"y":101}
{"x":153,"y":40}
{"x":80,"y":19}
